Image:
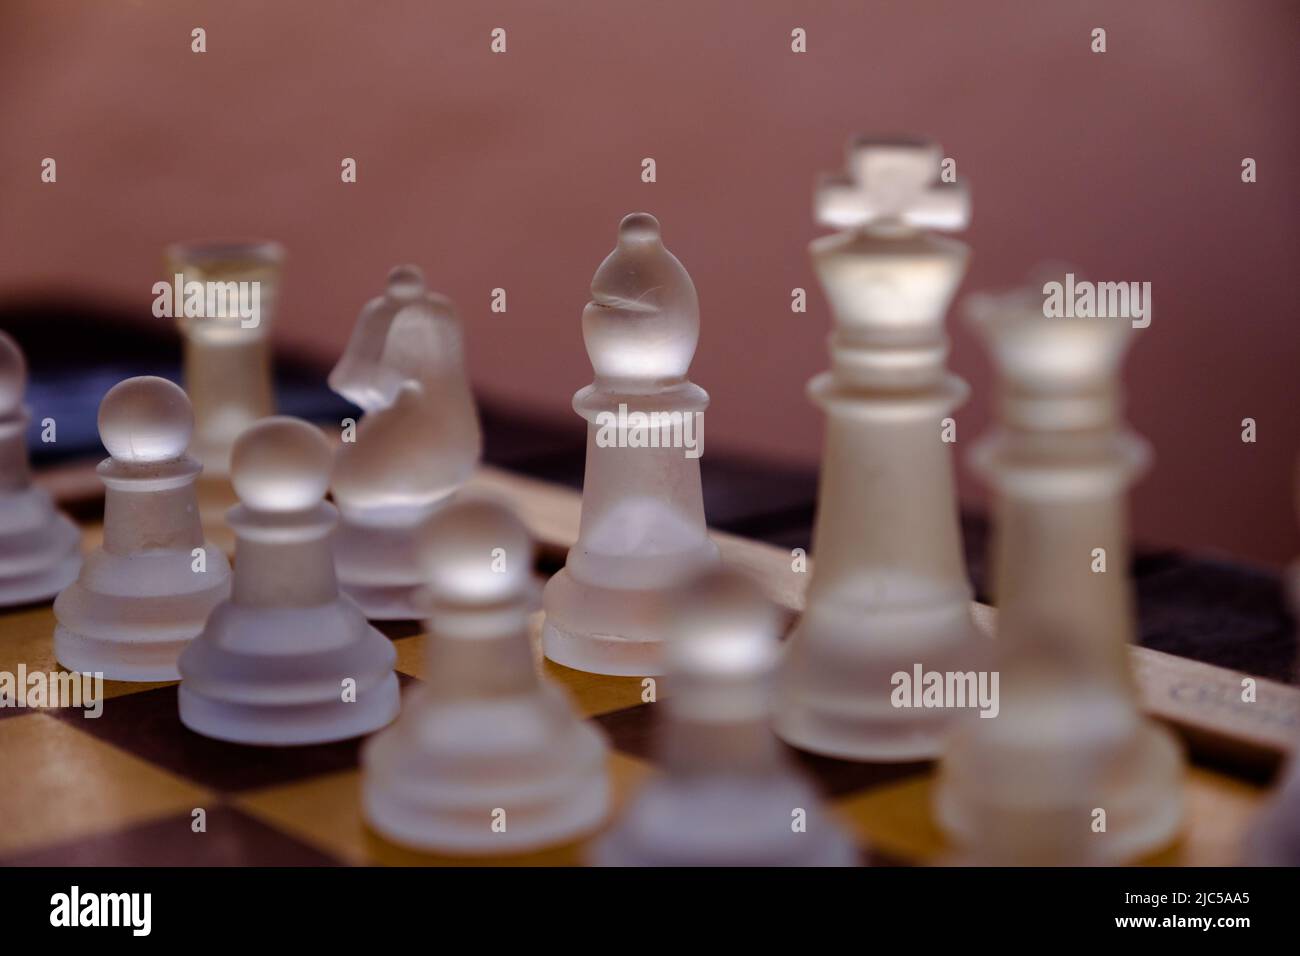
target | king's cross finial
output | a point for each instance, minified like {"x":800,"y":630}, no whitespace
{"x":892,"y":182}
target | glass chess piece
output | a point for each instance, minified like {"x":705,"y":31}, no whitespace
{"x":40,"y":547}
{"x":147,"y":590}
{"x":889,"y":589}
{"x":727,"y":794}
{"x":487,"y":757}
{"x":226,"y":355}
{"x":286,"y":660}
{"x":1070,"y":771}
{"x":418,"y":442}
{"x":643,"y":528}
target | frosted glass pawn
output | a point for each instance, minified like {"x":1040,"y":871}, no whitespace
{"x":643,"y":528}
{"x":889,"y":590}
{"x":146,"y":591}
{"x":727,"y":796}
{"x":417,"y":444}
{"x":40,"y":548}
{"x":487,"y":756}
{"x":1069,"y":771}
{"x":287,"y":659}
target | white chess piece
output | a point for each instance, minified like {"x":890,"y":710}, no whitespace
{"x":227,"y":353}
{"x":727,"y":795}
{"x":40,"y":548}
{"x":889,"y":589}
{"x":286,"y":660}
{"x":145,"y":593}
{"x":487,"y":757}
{"x":1069,"y":771}
{"x":643,"y":528}
{"x":1274,"y":839}
{"x":418,"y":442}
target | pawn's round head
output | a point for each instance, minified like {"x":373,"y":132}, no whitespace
{"x":724,"y":629}
{"x":13,"y":377}
{"x":146,"y":420}
{"x":643,"y":321}
{"x":476,"y":551}
{"x":281,"y":464}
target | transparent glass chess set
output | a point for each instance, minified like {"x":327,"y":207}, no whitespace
{"x":280,"y":652}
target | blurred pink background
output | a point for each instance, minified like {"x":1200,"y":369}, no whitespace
{"x":513,"y":171}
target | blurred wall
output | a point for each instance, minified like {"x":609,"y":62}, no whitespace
{"x":513,"y":170}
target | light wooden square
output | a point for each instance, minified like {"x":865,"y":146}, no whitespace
{"x":61,"y":784}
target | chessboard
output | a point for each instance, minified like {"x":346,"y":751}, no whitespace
{"x":125,"y":788}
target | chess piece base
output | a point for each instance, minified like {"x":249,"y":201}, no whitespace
{"x":137,"y":661}
{"x":732,"y":821}
{"x":835,"y":693}
{"x":130,"y":617}
{"x":603,"y":630}
{"x":41,"y":586}
{"x":290,"y":725}
{"x":399,"y":603}
{"x":275,"y":676}
{"x":503,"y":776}
{"x":378,"y":566}
{"x":40,"y":549}
{"x":1045,"y":814}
